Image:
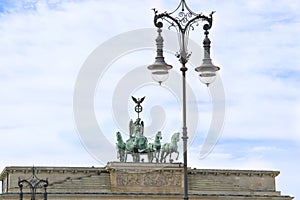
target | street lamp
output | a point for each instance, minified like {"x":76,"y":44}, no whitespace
{"x":159,"y":68}
{"x":33,"y":183}
{"x":185,"y":21}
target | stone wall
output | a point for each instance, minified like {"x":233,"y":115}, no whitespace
{"x":144,"y":181}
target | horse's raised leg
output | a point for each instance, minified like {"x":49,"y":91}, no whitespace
{"x":177,"y":155}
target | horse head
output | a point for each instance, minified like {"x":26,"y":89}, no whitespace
{"x":121,"y":143}
{"x":175,"y":140}
{"x":119,"y":136}
{"x":175,"y":137}
{"x":158,"y":136}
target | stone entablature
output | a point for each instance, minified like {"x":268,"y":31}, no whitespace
{"x":57,"y":176}
{"x":247,"y":179}
{"x":145,"y":181}
{"x":145,"y":177}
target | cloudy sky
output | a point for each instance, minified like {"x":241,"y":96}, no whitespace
{"x":45,"y":45}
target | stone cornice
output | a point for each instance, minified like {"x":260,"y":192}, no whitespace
{"x":49,"y":170}
{"x":116,"y":166}
{"x":226,"y":172}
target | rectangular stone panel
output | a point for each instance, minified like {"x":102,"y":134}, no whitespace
{"x":126,"y":177}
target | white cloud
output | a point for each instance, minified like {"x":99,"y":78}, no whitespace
{"x":256,"y":43}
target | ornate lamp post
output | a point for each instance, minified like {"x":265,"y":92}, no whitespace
{"x":185,"y":21}
{"x":34,"y":183}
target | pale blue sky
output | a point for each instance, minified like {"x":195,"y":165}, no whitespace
{"x":43,"y":45}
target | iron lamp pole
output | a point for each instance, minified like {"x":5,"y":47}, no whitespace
{"x":185,"y":21}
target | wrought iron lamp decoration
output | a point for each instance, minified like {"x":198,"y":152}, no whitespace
{"x":183,"y":19}
{"x":33,"y":183}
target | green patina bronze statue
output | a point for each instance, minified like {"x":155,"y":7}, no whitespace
{"x":170,"y":148}
{"x":138,"y":145}
{"x":120,"y":147}
{"x":154,"y":148}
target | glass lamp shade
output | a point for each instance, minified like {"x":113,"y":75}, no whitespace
{"x":160,"y":76}
{"x":160,"y":71}
{"x":207,"y":77}
{"x":207,"y":72}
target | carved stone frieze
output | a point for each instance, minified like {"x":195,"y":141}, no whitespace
{"x":154,"y":179}
{"x":145,"y":177}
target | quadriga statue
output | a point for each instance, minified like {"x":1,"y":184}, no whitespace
{"x":138,"y":145}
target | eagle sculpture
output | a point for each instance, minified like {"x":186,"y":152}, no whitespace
{"x":138,"y":101}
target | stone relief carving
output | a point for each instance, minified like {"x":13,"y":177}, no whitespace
{"x":165,"y":179}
